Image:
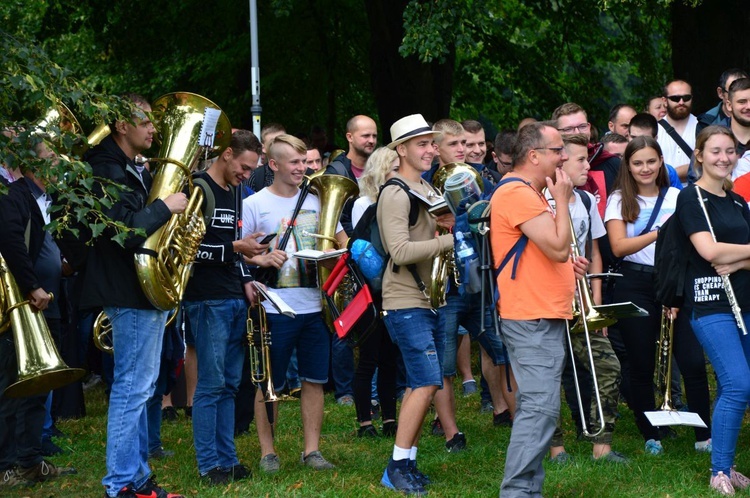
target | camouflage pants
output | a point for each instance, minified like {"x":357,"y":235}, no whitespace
{"x":608,"y":376}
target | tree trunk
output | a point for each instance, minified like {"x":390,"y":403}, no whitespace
{"x":706,"y":41}
{"x":404,"y":86}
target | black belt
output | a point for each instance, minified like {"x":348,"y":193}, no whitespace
{"x":638,"y":267}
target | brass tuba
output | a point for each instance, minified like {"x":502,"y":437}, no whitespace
{"x":40,"y":368}
{"x":446,"y":261}
{"x":164,"y":260}
{"x":333,"y":191}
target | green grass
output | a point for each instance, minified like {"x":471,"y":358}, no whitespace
{"x":680,"y":472}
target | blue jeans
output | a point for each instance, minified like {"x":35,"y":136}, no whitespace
{"x":465,"y":310}
{"x":422,"y":343}
{"x":219,"y":328}
{"x":537,"y":355}
{"x":292,"y":373}
{"x":137,"y":338}
{"x":729,"y":353}
{"x":342,"y":367}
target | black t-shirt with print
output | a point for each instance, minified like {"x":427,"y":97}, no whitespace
{"x":215,"y":272}
{"x":730,"y":219}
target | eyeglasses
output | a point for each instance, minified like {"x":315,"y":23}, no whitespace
{"x":677,"y":98}
{"x":581,"y":128}
{"x":556,"y":150}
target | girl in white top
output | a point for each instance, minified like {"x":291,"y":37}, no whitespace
{"x":642,"y":184}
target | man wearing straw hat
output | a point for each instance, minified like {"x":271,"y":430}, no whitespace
{"x":408,"y":315}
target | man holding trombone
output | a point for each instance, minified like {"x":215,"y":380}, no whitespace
{"x":596,"y":354}
{"x":529,"y":240}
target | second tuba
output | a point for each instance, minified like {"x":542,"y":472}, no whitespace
{"x":445,"y":262}
{"x":164,"y":260}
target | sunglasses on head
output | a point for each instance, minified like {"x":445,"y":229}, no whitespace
{"x":677,"y":98}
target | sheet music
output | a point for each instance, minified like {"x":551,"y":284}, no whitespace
{"x":662,"y":417}
{"x":208,"y":128}
{"x":275,"y":300}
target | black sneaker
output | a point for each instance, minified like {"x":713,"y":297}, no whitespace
{"x":400,"y":478}
{"x":367,"y":431}
{"x":239,"y":472}
{"x":457,"y":443}
{"x":502,"y":419}
{"x":148,"y":490}
{"x":390,"y":428}
{"x":160,"y":454}
{"x":188,"y":412}
{"x":217,"y":476}
{"x":169,"y":414}
{"x":437,"y":428}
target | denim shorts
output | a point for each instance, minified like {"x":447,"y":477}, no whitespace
{"x":465,"y":311}
{"x":310,"y":336}
{"x":416,"y":333}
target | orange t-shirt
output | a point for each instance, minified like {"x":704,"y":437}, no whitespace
{"x":542,"y":288}
{"x":742,"y":186}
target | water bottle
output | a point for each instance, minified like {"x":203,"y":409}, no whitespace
{"x":468,"y":265}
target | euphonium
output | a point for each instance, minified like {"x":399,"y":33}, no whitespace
{"x":163,"y":261}
{"x":446,"y":261}
{"x":40,"y":368}
{"x":333,"y":191}
{"x":664,"y":359}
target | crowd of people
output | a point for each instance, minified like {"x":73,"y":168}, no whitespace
{"x":548,"y":185}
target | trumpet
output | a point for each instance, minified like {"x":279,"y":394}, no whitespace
{"x":259,"y":340}
{"x":588,"y":319}
{"x":664,"y":359}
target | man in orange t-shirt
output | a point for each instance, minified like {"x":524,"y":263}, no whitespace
{"x":536,"y":296}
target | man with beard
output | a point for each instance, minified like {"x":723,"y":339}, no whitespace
{"x":362,"y":135}
{"x":676,"y":135}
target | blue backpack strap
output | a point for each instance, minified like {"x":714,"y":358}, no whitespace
{"x":520,"y":245}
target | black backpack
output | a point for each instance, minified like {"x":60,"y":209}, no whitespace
{"x":367,"y":229}
{"x":670,"y":263}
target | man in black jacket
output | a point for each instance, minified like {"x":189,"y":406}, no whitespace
{"x":111,"y":282}
{"x":34,"y":261}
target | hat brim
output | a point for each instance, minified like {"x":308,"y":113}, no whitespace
{"x":393,"y":144}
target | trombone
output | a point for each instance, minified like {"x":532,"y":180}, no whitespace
{"x":588,"y":319}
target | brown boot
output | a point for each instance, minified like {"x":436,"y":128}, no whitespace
{"x":9,"y":479}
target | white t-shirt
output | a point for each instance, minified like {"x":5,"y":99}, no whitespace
{"x":270,"y":213}
{"x":359,"y":208}
{"x":614,"y":212}
{"x":581,"y":219}
{"x":673,"y":153}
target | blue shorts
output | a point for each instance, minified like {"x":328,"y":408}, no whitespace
{"x":422,"y":344}
{"x":465,"y":311}
{"x":310,"y":336}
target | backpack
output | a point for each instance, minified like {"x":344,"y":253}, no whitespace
{"x":366,"y":246}
{"x":670,"y":263}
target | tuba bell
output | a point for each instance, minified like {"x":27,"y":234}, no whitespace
{"x":333,"y":191}
{"x":164,"y":260}
{"x":446,"y":261}
{"x":40,"y":368}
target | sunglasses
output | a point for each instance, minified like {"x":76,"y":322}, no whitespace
{"x":677,"y":98}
